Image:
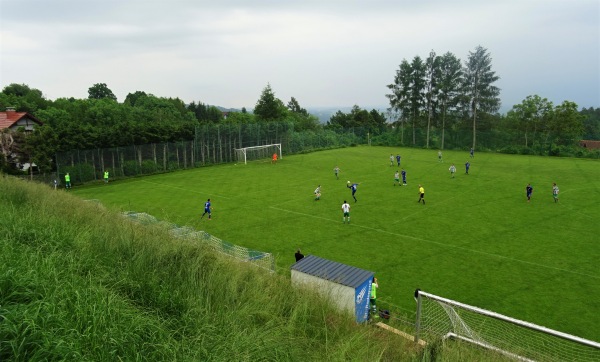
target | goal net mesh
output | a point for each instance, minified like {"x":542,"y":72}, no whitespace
{"x":248,"y":154}
{"x":441,"y":318}
{"x":257,"y":258}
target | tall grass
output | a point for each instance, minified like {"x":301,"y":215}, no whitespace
{"x":79,"y":282}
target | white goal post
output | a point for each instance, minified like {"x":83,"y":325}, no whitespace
{"x":441,"y":318}
{"x":258,"y":152}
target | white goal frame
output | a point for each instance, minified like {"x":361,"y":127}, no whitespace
{"x":441,"y":318}
{"x":242,"y":152}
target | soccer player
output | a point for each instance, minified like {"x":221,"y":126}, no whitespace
{"x":403,"y":177}
{"x":421,"y":194}
{"x":318,"y":193}
{"x":346,"y":212}
{"x":274,"y":158}
{"x":467,"y":165}
{"x":398,"y":160}
{"x":67,"y":181}
{"x":352,"y":187}
{"x":555,"y":192}
{"x":528,"y":191}
{"x":472,"y":152}
{"x":391,"y":160}
{"x":336,"y":171}
{"x":106,"y":176}
{"x":440,"y":156}
{"x":397,"y":178}
{"x":207,"y":209}
{"x":452,"y":170}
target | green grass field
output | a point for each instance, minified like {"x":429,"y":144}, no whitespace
{"x":476,"y":240}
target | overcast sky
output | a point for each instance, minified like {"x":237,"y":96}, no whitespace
{"x":327,"y":53}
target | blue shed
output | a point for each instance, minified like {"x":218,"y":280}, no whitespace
{"x":346,"y":286}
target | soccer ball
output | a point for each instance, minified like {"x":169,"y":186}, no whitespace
{"x":348,"y":181}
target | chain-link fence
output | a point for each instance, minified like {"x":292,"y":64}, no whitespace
{"x":240,"y":253}
{"x":216,"y":143}
{"x":120,"y":162}
{"x":213,"y":144}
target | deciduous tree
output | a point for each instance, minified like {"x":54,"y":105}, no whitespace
{"x":531,"y":116}
{"x":566,"y":124}
{"x":101,"y":91}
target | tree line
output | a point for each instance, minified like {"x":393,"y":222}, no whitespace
{"x":434,"y":94}
{"x":442,"y":92}
{"x":100,"y":121}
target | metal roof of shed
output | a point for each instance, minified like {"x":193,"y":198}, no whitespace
{"x":333,"y":271}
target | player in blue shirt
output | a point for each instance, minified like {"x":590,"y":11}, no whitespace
{"x":403,"y":173}
{"x":398,"y":160}
{"x":528,"y":191}
{"x":207,"y":210}
{"x":353,"y":187}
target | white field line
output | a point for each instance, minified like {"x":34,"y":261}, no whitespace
{"x":441,"y":244}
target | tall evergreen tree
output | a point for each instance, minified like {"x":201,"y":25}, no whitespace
{"x":449,"y":87}
{"x":480,"y":93}
{"x":269,"y":108}
{"x":399,"y":96}
{"x":294,"y":107}
{"x":418,"y":85}
{"x":408,"y":91}
{"x":432,"y":71}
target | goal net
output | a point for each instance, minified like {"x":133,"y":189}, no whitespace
{"x":441,"y":318}
{"x":258,"y":152}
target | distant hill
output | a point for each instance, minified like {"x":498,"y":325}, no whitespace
{"x":223,"y":109}
{"x":324,"y":113}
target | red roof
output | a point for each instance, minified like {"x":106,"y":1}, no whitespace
{"x":590,"y":144}
{"x":9,"y":118}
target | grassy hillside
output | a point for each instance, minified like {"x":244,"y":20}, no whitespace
{"x":79,"y":282}
{"x":477,"y":240}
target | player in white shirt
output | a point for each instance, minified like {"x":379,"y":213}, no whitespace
{"x":346,"y":211}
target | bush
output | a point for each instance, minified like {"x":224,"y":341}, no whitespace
{"x":130,"y":168}
{"x":527,"y":151}
{"x":148,"y":167}
{"x":511,"y":150}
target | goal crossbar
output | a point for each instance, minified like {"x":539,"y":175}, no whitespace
{"x":242,"y":153}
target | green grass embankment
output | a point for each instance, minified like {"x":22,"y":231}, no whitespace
{"x":79,"y":282}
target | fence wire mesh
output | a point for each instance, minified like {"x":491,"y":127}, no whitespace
{"x":258,"y":258}
{"x":217,"y":143}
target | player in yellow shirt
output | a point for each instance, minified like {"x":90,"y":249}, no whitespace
{"x":421,"y":194}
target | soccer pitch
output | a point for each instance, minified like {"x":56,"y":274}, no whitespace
{"x":476,"y":240}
